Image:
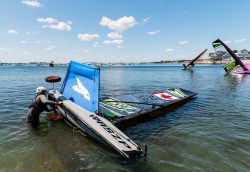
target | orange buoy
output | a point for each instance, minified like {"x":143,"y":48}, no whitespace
{"x":55,"y":117}
{"x":53,"y":79}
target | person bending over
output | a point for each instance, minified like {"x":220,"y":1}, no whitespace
{"x":38,"y":105}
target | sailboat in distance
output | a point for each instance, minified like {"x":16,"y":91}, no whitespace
{"x":233,"y":65}
{"x":51,"y":64}
{"x":191,"y":64}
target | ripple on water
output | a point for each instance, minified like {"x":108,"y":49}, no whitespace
{"x":209,"y":133}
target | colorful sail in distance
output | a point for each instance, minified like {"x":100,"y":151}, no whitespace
{"x":191,"y":64}
{"x":217,"y":44}
{"x":231,"y":66}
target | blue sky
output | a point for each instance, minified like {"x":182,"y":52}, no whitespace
{"x":119,"y":31}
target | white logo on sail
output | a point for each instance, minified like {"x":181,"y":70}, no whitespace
{"x":81,"y":89}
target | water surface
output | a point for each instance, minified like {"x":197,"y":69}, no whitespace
{"x":209,"y":133}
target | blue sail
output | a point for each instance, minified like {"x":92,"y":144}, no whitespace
{"x":81,"y":85}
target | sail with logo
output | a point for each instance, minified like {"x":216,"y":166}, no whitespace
{"x":81,"y":85}
{"x":80,"y":98}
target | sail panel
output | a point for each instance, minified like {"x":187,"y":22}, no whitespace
{"x":81,"y":85}
{"x":218,"y":42}
{"x":192,"y":62}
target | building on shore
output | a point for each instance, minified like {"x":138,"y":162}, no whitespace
{"x":244,"y":54}
{"x":223,"y":55}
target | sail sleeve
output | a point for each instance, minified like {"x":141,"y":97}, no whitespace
{"x":81,"y":85}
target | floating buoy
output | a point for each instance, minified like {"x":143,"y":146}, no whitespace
{"x":55,"y":117}
{"x":53,"y":79}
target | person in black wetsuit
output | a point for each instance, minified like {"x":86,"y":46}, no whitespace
{"x":38,"y":105}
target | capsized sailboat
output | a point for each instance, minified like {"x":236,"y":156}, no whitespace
{"x":51,"y":64}
{"x":233,"y":65}
{"x":191,"y":64}
{"x":123,"y":109}
{"x":80,"y":101}
{"x":95,"y":116}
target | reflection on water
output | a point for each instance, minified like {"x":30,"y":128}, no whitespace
{"x":209,"y":133}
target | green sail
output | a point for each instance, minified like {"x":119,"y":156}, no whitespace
{"x":216,"y":45}
{"x":230,"y":66}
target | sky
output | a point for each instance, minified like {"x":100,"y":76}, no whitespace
{"x":119,"y":31}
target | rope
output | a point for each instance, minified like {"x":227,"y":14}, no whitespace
{"x":75,"y":129}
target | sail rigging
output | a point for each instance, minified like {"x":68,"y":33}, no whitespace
{"x":217,"y":44}
{"x":192,"y":62}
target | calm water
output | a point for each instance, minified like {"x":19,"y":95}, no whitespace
{"x":209,"y":133}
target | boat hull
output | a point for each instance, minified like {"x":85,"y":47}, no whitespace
{"x":149,"y":110}
{"x":98,"y":128}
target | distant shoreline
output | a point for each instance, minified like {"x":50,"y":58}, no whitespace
{"x":201,"y":62}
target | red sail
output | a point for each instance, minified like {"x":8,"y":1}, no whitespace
{"x":196,"y":58}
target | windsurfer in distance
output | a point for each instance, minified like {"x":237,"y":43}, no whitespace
{"x":38,"y":105}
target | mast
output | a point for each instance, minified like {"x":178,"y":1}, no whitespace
{"x":196,"y":58}
{"x":236,"y":58}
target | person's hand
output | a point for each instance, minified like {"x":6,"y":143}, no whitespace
{"x":60,"y":103}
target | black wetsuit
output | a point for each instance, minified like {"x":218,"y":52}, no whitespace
{"x":38,"y":105}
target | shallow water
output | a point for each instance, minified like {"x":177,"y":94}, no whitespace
{"x":208,"y":133}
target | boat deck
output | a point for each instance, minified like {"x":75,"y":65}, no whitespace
{"x":130,"y":109}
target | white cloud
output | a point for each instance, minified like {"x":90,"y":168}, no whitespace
{"x":31,"y":33}
{"x":236,"y":41}
{"x":114,"y":35}
{"x":32,"y":3}
{"x":116,"y":41}
{"x":51,"y":47}
{"x":96,"y":44}
{"x":26,"y":53}
{"x":240,"y":40}
{"x":37,"y":42}
{"x":169,"y":50}
{"x":146,"y":20}
{"x":107,"y":42}
{"x":87,"y":37}
{"x":153,"y":32}
{"x":4,"y":49}
{"x":12,"y":31}
{"x":23,"y":42}
{"x":183,"y":42}
{"x":52,"y":23}
{"x":227,"y":42}
{"x":119,"y":25}
{"x":84,"y":50}
{"x":48,"y":20}
{"x":60,"y":26}
{"x":119,"y":46}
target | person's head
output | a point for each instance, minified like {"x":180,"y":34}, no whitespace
{"x":40,"y":90}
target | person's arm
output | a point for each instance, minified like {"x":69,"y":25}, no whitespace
{"x":47,"y":109}
{"x":46,"y":101}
